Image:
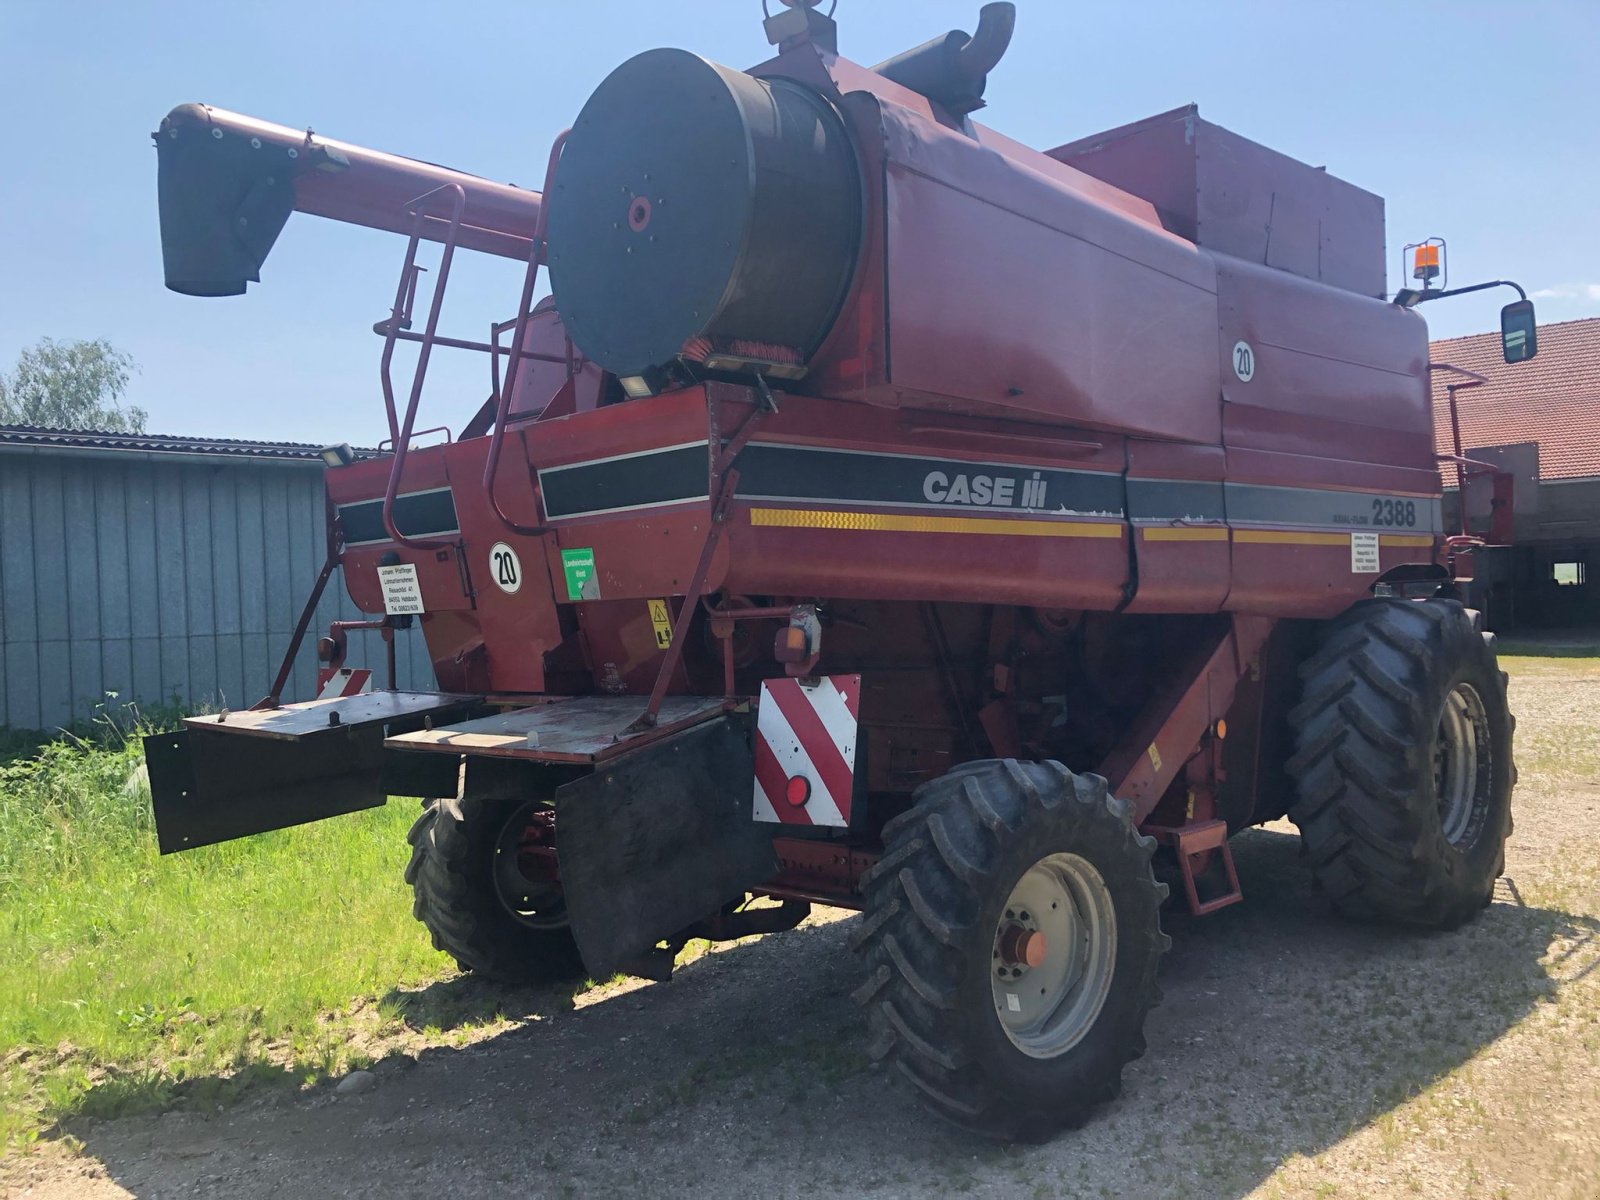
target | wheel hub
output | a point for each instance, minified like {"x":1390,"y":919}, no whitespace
{"x":525,"y":880}
{"x":1054,"y":951}
{"x":1461,"y":765}
{"x":1022,"y":947}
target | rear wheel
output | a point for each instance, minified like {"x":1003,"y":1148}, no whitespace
{"x":483,"y":881}
{"x":1403,"y":765}
{"x":1011,"y":937}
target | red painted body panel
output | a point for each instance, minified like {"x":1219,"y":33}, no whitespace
{"x":1073,"y":292}
{"x":670,"y":420}
{"x":519,"y":629}
{"x":1184,"y":566}
{"x":641,"y":557}
{"x":1237,"y":197}
{"x":1322,"y":351}
{"x":1072,"y":571}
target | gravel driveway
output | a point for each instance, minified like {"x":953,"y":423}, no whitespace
{"x":1294,"y":1054}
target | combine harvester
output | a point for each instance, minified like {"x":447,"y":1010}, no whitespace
{"x":886,"y":515}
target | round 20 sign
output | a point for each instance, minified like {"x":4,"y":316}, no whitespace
{"x":505,"y":568}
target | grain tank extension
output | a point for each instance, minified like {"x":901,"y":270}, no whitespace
{"x":884,"y":514}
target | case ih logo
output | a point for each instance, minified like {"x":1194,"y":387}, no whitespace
{"x":990,"y":491}
{"x":812,"y":474}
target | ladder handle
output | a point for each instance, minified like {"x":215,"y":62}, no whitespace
{"x":536,"y":258}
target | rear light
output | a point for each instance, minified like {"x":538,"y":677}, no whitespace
{"x":791,"y":645}
{"x":797,"y":791}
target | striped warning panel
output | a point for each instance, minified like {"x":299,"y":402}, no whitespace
{"x":346,"y":681}
{"x":806,"y":750}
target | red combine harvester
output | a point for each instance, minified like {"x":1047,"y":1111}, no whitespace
{"x":880,"y":514}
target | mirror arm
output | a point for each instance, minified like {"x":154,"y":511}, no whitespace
{"x":1408,"y":298}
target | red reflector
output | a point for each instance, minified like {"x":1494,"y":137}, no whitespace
{"x":797,"y":791}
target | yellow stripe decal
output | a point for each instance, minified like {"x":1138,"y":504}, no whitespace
{"x":1282,"y":537}
{"x":1185,"y":533}
{"x":1405,"y":539}
{"x":875,"y":522}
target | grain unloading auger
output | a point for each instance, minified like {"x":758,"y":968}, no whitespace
{"x":883,"y":514}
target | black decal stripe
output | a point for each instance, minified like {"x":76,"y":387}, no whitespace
{"x":807,"y":475}
{"x":417,"y":514}
{"x":1175,"y":500}
{"x":636,"y":481}
{"x":1325,"y":508}
{"x":803,"y":474}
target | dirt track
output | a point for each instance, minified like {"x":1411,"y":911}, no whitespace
{"x":1294,"y":1054}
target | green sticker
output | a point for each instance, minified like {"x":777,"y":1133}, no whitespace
{"x":582,"y":583}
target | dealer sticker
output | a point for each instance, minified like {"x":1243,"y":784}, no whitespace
{"x":402,"y":594}
{"x":1364,"y":554}
{"x":578,"y":567}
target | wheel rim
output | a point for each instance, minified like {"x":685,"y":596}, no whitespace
{"x":1055,"y":948}
{"x":1461,"y":762}
{"x":525,"y":879}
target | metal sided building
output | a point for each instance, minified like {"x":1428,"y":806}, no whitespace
{"x":161,"y":568}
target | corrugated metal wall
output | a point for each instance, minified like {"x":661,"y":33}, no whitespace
{"x":160,"y":579}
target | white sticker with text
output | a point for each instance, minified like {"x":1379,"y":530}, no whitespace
{"x":1364,"y":554}
{"x":402,"y":594}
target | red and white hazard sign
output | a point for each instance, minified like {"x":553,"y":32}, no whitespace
{"x":346,"y":681}
{"x":806,"y":750}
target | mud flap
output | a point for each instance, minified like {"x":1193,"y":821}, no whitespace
{"x":222,"y":778}
{"x":658,"y":839}
{"x":211,"y":787}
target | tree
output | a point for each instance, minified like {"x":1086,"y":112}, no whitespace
{"x":71,"y":385}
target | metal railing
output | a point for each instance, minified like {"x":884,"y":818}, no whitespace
{"x":397,"y":329}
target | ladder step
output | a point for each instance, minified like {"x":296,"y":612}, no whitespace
{"x":1191,"y":841}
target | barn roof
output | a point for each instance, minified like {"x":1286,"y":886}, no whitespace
{"x":157,"y":444}
{"x":1553,"y":400}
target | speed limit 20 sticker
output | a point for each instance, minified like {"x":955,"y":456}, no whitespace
{"x":1244,"y":361}
{"x":505,"y":568}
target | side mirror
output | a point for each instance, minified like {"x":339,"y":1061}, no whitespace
{"x":1519,"y":334}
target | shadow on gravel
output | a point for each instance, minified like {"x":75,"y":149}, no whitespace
{"x":463,"y":1000}
{"x":1283,"y":1030}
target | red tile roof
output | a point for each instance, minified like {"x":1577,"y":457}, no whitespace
{"x":1553,"y":400}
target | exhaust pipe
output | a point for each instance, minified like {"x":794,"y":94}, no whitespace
{"x":953,"y":70}
{"x":227,"y":183}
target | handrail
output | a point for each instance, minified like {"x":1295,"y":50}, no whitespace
{"x":536,"y":258}
{"x":1473,"y":379}
{"x":400,"y":432}
{"x":444,"y":429}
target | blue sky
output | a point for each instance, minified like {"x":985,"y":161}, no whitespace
{"x":1475,"y":120}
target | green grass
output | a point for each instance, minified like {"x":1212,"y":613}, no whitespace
{"x":128,"y":981}
{"x":1576,"y":646}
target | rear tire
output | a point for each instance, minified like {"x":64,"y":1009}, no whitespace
{"x":1403,"y":763}
{"x":949,"y":994}
{"x":479,"y":909}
